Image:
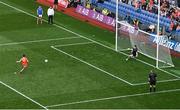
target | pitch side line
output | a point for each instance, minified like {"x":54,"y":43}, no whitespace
{"x":36,"y":41}
{"x":162,"y":81}
{"x":111,"y":98}
{"x":91,"y":65}
{"x":83,"y":43}
{"x":23,"y":95}
{"x":85,"y":37}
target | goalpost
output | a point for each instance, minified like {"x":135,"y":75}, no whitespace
{"x":153,"y":46}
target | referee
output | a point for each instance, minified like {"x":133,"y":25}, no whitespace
{"x":152,"y":81}
{"x":50,"y":14}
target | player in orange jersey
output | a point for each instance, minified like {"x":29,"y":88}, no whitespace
{"x":24,"y":62}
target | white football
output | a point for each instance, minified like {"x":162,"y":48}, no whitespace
{"x":46,"y":60}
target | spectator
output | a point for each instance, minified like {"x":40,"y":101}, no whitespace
{"x":105,"y":11}
{"x":110,"y":14}
{"x":172,"y":2}
{"x":128,"y":18}
{"x":133,"y":3}
{"x":71,"y":2}
{"x":136,"y":5}
{"x":125,"y":1}
{"x":178,"y":27}
{"x":173,"y":27}
{"x":55,"y":4}
{"x":163,"y":13}
{"x":76,"y":2}
{"x":136,"y":23}
{"x":151,"y":29}
{"x":130,"y":2}
{"x":100,"y":1}
{"x":88,"y":5}
{"x":50,"y":14}
{"x":94,"y":9}
{"x":176,"y":14}
{"x":143,"y":4}
{"x":147,"y":3}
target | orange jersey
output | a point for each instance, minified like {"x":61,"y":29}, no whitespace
{"x":24,"y":61}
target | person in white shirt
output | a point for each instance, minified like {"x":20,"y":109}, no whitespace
{"x":50,"y":13}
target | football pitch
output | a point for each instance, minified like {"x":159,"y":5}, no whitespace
{"x":83,"y":69}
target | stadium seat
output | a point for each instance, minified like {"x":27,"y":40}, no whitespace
{"x":142,"y":15}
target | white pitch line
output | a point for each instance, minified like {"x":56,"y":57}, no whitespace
{"x":159,"y":69}
{"x":85,"y":38}
{"x":152,"y":66}
{"x":111,"y":98}
{"x":169,"y":73}
{"x":36,"y":41}
{"x":135,"y":84}
{"x":83,"y":43}
{"x":23,"y":95}
{"x":162,"y":81}
{"x":91,"y":65}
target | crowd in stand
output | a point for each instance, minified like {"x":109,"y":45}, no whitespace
{"x":168,"y":7}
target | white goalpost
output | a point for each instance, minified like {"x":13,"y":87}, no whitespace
{"x":157,"y":49}
{"x":153,"y":46}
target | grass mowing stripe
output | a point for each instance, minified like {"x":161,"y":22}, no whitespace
{"x":176,"y":71}
{"x":162,"y":81}
{"x":158,"y":68}
{"x":35,"y":41}
{"x":83,"y":43}
{"x":152,"y":66}
{"x":110,"y":98}
{"x":23,"y":95}
{"x":88,"y":39}
{"x":91,"y":65}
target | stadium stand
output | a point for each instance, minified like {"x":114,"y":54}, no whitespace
{"x":147,"y":16}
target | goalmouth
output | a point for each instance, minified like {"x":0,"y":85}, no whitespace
{"x":154,"y":46}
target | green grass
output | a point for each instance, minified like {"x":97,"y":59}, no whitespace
{"x":80,"y":76}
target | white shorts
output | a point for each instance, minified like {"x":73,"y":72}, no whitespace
{"x":40,"y":16}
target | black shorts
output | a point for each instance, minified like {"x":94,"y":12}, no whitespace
{"x":152,"y":82}
{"x":134,"y":54}
{"x":55,"y":2}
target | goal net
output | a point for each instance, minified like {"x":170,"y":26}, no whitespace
{"x":150,"y":46}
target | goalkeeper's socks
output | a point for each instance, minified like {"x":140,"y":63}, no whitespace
{"x":150,"y":89}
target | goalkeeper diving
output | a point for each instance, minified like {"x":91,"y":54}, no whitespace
{"x":134,"y":53}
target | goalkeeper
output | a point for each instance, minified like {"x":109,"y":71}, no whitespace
{"x":134,"y":53}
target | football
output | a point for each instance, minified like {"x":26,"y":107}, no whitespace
{"x":46,"y":60}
